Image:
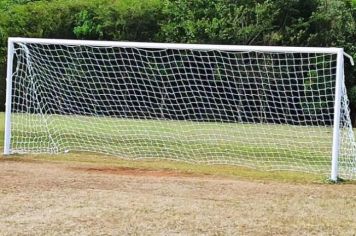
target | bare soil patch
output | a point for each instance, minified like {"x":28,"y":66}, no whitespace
{"x":77,"y":199}
{"x":133,"y":171}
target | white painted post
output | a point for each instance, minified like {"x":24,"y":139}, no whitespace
{"x":235,"y":48}
{"x":337,"y":110}
{"x":10,"y":58}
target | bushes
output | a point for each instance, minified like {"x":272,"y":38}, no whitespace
{"x":213,"y":21}
{"x":36,"y":19}
{"x":120,"y":20}
{"x":93,"y":19}
{"x":265,"y":22}
{"x":224,"y":21}
{"x":256,"y":22}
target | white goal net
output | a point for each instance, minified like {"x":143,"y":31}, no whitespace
{"x":270,"y":108}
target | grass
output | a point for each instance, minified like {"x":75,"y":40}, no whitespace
{"x":284,"y":149}
{"x":121,"y":142}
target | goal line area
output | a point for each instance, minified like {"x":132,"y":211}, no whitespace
{"x":250,"y":145}
{"x":272,"y":108}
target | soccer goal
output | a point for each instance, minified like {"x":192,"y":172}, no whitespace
{"x":271,"y":108}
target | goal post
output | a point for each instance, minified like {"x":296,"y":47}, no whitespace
{"x":266,"y":107}
{"x":337,"y":112}
{"x":9,"y":72}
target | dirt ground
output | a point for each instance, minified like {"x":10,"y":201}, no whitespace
{"x":77,"y":199}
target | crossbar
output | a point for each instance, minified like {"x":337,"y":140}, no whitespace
{"x":209,"y":47}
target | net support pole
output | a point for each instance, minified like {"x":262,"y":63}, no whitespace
{"x":337,"y":111}
{"x":10,"y":58}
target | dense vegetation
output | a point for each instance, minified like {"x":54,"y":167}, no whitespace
{"x":256,"y":22}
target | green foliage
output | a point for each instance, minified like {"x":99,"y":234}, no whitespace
{"x":120,"y":20}
{"x":256,"y":22}
{"x":352,"y":93}
{"x":86,"y":25}
{"x":320,"y":23}
{"x":41,"y":19}
{"x":216,"y":21}
{"x":51,"y":19}
{"x":5,"y":4}
{"x":224,"y":21}
{"x":331,"y":24}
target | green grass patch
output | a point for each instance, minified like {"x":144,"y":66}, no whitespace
{"x":177,"y":144}
{"x":257,"y":145}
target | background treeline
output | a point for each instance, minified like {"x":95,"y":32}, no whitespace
{"x":246,"y":22}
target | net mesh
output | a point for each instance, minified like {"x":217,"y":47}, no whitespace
{"x":267,"y":110}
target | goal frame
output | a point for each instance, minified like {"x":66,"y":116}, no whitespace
{"x":237,"y":48}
